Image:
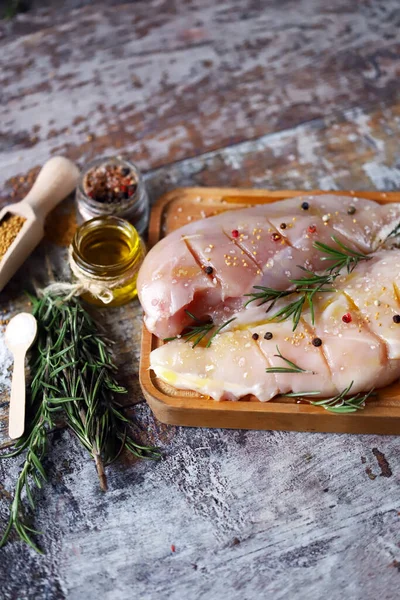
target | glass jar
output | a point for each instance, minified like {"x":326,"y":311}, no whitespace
{"x":134,"y":208}
{"x":105,"y":256}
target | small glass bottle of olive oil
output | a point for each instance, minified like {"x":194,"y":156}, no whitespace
{"x":105,"y":256}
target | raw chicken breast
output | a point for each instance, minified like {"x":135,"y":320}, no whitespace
{"x":232,"y":367}
{"x":363,"y":347}
{"x":206,"y":267}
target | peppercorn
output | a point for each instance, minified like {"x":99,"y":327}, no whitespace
{"x":282,"y":226}
{"x":110,"y":184}
{"x":305,"y":206}
{"x":276,"y":237}
{"x":255,"y":336}
{"x":396,"y":318}
{"x":351,"y":210}
{"x":312,"y":229}
{"x":317,"y":342}
{"x":268,"y":336}
{"x":209,"y":270}
{"x":131,"y":190}
{"x":347,"y":318}
{"x":235,"y":233}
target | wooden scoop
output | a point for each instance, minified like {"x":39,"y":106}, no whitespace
{"x":20,"y":335}
{"x":56,"y":180}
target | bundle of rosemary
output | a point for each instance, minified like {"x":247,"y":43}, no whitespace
{"x":73,"y":381}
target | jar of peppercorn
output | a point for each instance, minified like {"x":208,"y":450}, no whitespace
{"x":113,"y":186}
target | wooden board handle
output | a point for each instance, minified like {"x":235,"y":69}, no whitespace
{"x":16,"y":423}
{"x":266,"y":196}
{"x":58,"y":177}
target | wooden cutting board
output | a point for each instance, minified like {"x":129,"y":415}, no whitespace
{"x":182,"y":407}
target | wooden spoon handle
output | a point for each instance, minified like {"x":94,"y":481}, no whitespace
{"x":16,"y":423}
{"x":58,"y":177}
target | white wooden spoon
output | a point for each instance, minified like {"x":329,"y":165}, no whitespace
{"x":20,"y":334}
{"x":56,"y":180}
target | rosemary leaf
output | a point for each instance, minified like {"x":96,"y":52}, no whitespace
{"x":291,"y":368}
{"x":218,"y":330}
{"x":196,"y":333}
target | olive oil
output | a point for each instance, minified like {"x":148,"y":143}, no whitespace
{"x":107,"y":246}
{"x":106,"y":255}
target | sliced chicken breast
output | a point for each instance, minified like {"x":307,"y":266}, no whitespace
{"x":354,"y":339}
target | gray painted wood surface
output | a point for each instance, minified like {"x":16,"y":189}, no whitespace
{"x":265,"y":94}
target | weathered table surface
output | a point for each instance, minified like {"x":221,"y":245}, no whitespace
{"x":295,"y":94}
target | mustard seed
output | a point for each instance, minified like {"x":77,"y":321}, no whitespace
{"x":10,"y":227}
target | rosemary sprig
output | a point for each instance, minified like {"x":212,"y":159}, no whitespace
{"x":346,"y":259}
{"x":292,"y":367}
{"x":74,"y":380}
{"x":267,"y":295}
{"x":32,"y":472}
{"x":198,"y":332}
{"x":339,"y":404}
{"x":306,"y":287}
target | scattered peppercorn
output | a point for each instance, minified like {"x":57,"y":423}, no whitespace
{"x":351,"y":210}
{"x":209,"y":270}
{"x":312,"y":229}
{"x":396,"y":318}
{"x":235,"y":233}
{"x":282,"y":226}
{"x":305,"y":206}
{"x":347,"y":318}
{"x":255,"y":336}
{"x":268,"y":336}
{"x":125,"y":171}
{"x":276,"y":237}
{"x":10,"y":227}
{"x":317,"y":342}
